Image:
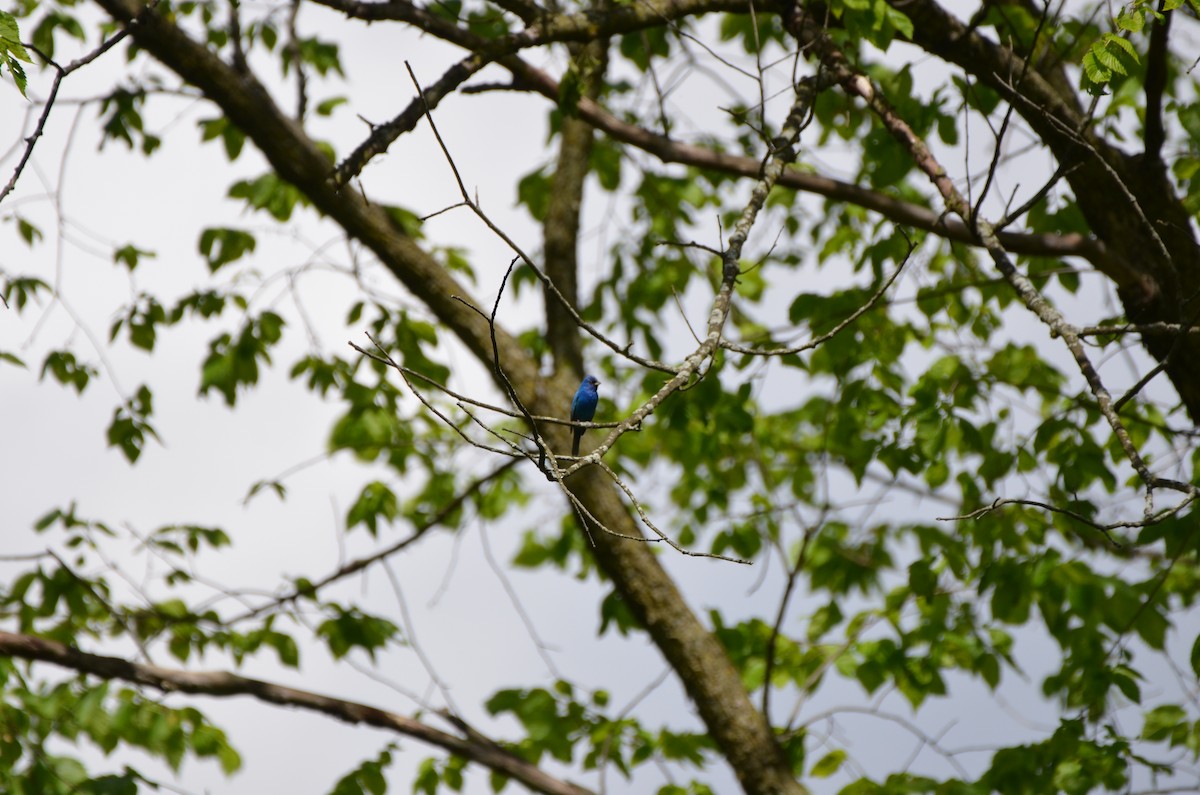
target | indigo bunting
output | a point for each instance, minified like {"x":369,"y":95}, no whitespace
{"x":583,"y":407}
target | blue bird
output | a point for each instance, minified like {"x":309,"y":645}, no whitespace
{"x":583,"y":407}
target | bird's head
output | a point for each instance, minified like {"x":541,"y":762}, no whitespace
{"x":591,"y":381}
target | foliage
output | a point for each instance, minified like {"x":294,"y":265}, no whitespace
{"x":12,"y":52}
{"x":893,"y":432}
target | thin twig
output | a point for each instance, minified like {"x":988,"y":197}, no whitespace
{"x":623,"y":351}
{"x":61,"y":73}
{"x":310,"y":590}
{"x":839,"y":328}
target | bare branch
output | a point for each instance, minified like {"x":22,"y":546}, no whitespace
{"x":784,"y":152}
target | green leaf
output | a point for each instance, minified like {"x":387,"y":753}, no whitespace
{"x":1131,"y":19}
{"x":130,"y":428}
{"x":269,"y":193}
{"x":52,"y":23}
{"x":232,"y":138}
{"x":406,"y":221}
{"x":533,"y":191}
{"x":67,"y":370}
{"x":350,"y":629}
{"x":130,"y":255}
{"x":221,"y":246}
{"x":10,"y":37}
{"x":369,"y":777}
{"x":829,"y":764}
{"x":570,"y":91}
{"x":233,"y":363}
{"x":29,"y":233}
{"x":12,"y":51}
{"x":124,"y":121}
{"x":375,"y":502}
{"x":321,"y":55}
{"x":326,"y":107}
{"x":1162,"y":723}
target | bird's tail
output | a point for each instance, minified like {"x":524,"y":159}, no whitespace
{"x":575,"y":443}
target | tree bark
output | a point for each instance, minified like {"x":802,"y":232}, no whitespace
{"x":563,"y":215}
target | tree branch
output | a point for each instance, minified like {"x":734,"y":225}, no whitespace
{"x":527,"y":10}
{"x":712,"y":681}
{"x":297,"y":159}
{"x":1104,"y":172}
{"x":585,"y":26}
{"x":383,"y":135}
{"x":1156,"y":83}
{"x":223,"y":684}
{"x":311,"y":589}
{"x":60,"y":73}
{"x":623,"y":19}
{"x":894,"y":209}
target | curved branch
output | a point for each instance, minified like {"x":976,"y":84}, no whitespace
{"x":223,"y":684}
{"x":527,"y":10}
{"x":940,"y":33}
{"x":589,"y":27}
{"x":60,"y":74}
{"x":894,"y":209}
{"x":1099,"y":172}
